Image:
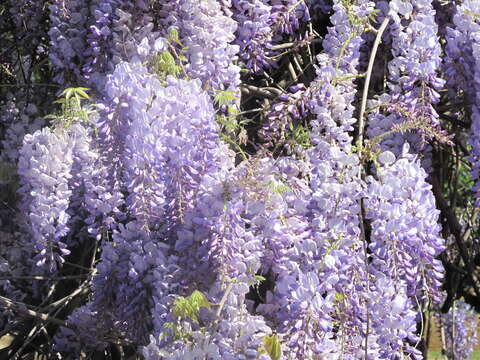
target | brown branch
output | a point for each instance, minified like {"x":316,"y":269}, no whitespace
{"x":23,"y":309}
{"x":297,"y":44}
{"x":267,"y":92}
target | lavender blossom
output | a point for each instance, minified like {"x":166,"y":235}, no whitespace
{"x":94,"y":204}
{"x":254,"y":33}
{"x":122,"y":287}
{"x":262,"y":24}
{"x":87,"y":42}
{"x":287,"y":16}
{"x":413,"y":80}
{"x":44,"y":167}
{"x":405,"y":235}
{"x":208,"y":34}
{"x":68,"y":34}
{"x":18,"y":119}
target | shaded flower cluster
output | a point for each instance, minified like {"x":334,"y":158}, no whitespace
{"x":459,"y":326}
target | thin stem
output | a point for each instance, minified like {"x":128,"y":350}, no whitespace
{"x":378,"y":38}
{"x":292,"y":72}
{"x":224,"y":299}
{"x":360,"y":142}
{"x":57,"y":278}
{"x":28,"y":85}
{"x":365,"y":254}
{"x":296,"y":44}
{"x":267,"y":92}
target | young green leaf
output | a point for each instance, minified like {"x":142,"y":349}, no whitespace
{"x":272,"y":346}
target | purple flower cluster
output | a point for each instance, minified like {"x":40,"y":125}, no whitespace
{"x":88,"y":330}
{"x":88,"y":40}
{"x":44,"y":166}
{"x":122,"y":287}
{"x":413,"y":79}
{"x":263,"y":23}
{"x":68,"y":34}
{"x":208,"y":33}
{"x":175,"y":198}
{"x":99,"y":43}
{"x":254,"y":33}
{"x":290,"y":108}
{"x":18,"y":119}
{"x":189,"y":250}
{"x":334,"y":94}
{"x":24,"y":40}
{"x":405,"y":237}
{"x":287,"y":15}
{"x":459,"y":60}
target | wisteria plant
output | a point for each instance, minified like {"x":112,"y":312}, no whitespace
{"x":239,"y":179}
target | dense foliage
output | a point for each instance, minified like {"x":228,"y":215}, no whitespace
{"x":239,"y":179}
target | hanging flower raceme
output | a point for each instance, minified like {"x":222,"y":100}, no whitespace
{"x":68,"y":34}
{"x":405,"y":237}
{"x":459,"y":61}
{"x":208,"y":33}
{"x":45,"y":168}
{"x":89,"y":40}
{"x":413,"y":81}
{"x":324,"y":258}
{"x":254,"y":33}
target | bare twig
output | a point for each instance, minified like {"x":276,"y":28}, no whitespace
{"x":55,"y":278}
{"x":292,"y":72}
{"x":23,"y":309}
{"x":296,"y":44}
{"x":224,"y":299}
{"x":83,"y":289}
{"x":361,"y":123}
{"x":266,"y":92}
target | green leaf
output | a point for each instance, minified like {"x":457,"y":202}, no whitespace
{"x":279,"y":187}
{"x":82,"y":93}
{"x":224,"y":97}
{"x":165,"y":63}
{"x":173,"y":36}
{"x":190,"y":307}
{"x":259,"y":278}
{"x":261,"y":351}
{"x":60,"y":101}
{"x":339,"y":297}
{"x":272,"y":346}
{"x":67,"y":93}
{"x":198,"y":299}
{"x":173,"y":330}
{"x":79,"y":93}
